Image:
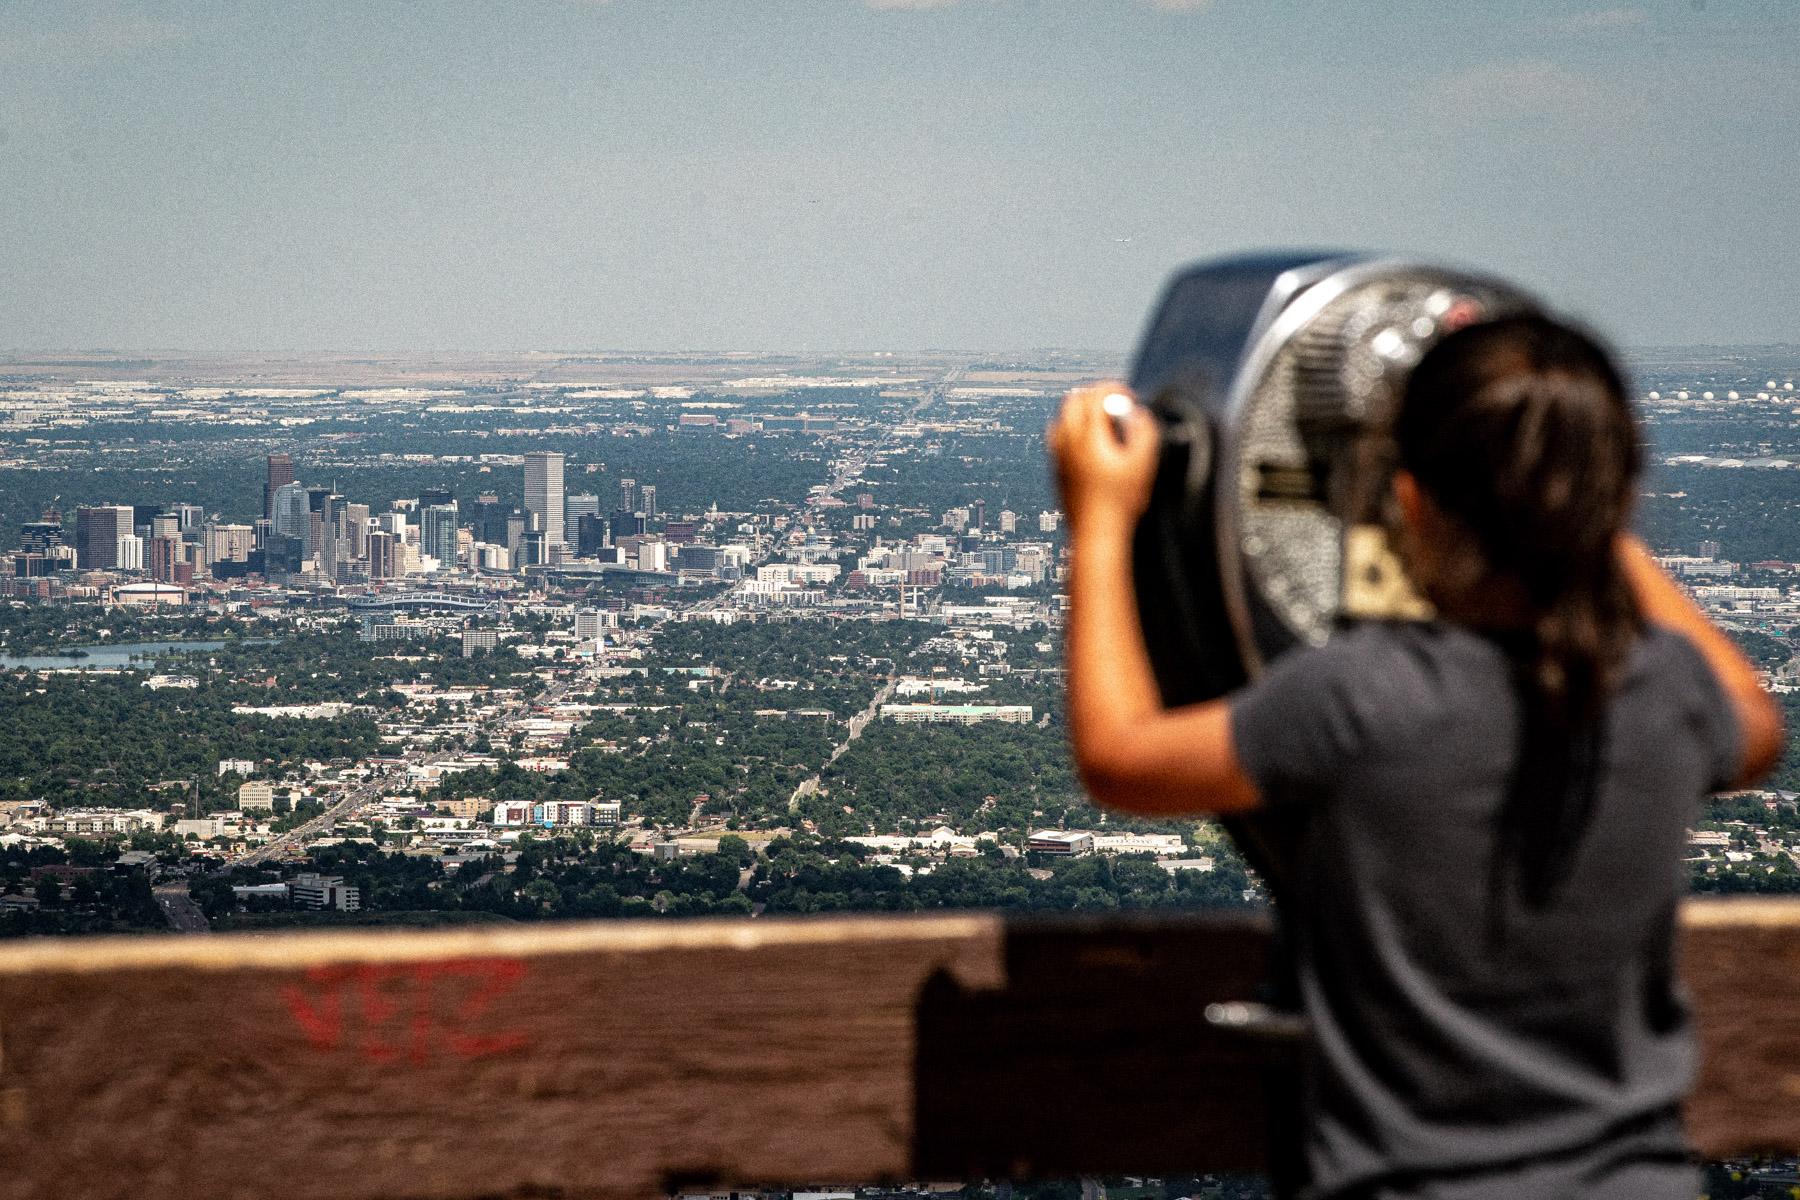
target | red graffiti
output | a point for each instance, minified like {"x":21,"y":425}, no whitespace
{"x":414,"y":1012}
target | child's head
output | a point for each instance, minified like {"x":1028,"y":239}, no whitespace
{"x":1519,"y":456}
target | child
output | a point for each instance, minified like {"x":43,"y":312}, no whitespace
{"x":1496,"y":800}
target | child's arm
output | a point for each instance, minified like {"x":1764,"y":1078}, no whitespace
{"x":1132,"y":753}
{"x":1662,"y":603}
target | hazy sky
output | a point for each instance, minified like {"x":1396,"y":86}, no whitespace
{"x":868,"y":174}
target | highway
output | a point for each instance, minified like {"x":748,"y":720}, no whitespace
{"x":183,"y":915}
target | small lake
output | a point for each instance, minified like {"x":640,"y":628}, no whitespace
{"x":121,"y":654}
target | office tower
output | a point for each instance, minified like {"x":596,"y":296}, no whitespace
{"x":626,"y":524}
{"x":38,"y":536}
{"x":437,"y":534}
{"x":383,"y":556}
{"x":128,"y":553}
{"x":577,"y":507}
{"x":431,"y":496}
{"x":394,"y":523}
{"x":317,"y":500}
{"x":533,"y":549}
{"x":1009,"y":521}
{"x":98,"y":530}
{"x":591,"y":535}
{"x":189,"y":518}
{"x":165,"y":525}
{"x":627,"y":495}
{"x":355,"y":525}
{"x":978,"y":514}
{"x":227,"y":543}
{"x":290,"y":515}
{"x":488,"y":518}
{"x":161,"y":559}
{"x":650,"y":501}
{"x":334,"y":536}
{"x":281,"y":472}
{"x":518,"y":524}
{"x":544,"y":492}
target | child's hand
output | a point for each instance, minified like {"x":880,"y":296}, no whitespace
{"x":1105,"y":464}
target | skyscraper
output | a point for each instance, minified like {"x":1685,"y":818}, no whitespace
{"x":161,"y":559}
{"x":281,"y":471}
{"x":98,"y":532}
{"x":591,"y":535}
{"x":437,"y":534}
{"x":627,"y":495}
{"x":544,"y":492}
{"x":383,"y":555}
{"x":650,"y":501}
{"x":489,"y":519}
{"x":291,"y":515}
{"x":576,"y":507}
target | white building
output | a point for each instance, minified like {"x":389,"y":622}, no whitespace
{"x":957,"y":714}
{"x":1061,"y":841}
{"x":324,"y":891}
{"x":257,"y":797}
{"x":544,"y":493}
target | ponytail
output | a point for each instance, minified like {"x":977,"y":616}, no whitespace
{"x":1520,"y":432}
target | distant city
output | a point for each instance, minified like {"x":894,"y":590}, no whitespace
{"x":781,"y":633}
{"x":654,"y":634}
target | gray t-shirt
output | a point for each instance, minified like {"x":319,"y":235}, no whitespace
{"x":1440,"y":1045}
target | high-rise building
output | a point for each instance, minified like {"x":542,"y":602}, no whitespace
{"x":161,"y":558}
{"x":591,"y":535}
{"x":430,"y":496}
{"x":650,"y":501}
{"x":281,"y":471}
{"x":544,"y":492}
{"x":165,"y":525}
{"x":189,"y":519}
{"x":98,"y":531}
{"x":227,"y":543}
{"x":576,"y":507}
{"x":489,"y":519}
{"x":291,"y":515}
{"x":437,"y":534}
{"x":383,"y":556}
{"x":39,"y":536}
{"x":128,"y":553}
{"x":626,"y":524}
{"x":627,"y":495}
{"x":354,"y":526}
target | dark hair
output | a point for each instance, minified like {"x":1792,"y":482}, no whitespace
{"x":1519,"y":431}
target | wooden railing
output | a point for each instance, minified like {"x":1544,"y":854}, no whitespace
{"x":629,"y":1058}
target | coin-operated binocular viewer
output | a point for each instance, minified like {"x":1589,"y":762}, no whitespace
{"x":1275,"y":380}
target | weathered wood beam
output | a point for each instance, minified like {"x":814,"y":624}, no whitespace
{"x":621,"y":1059}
